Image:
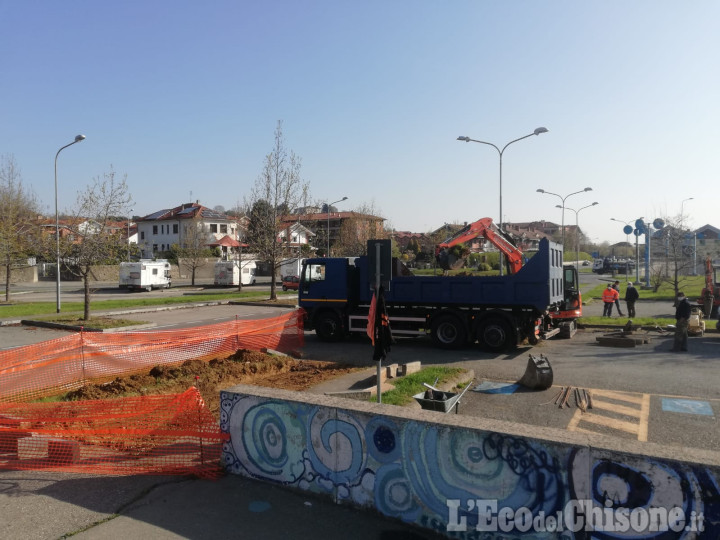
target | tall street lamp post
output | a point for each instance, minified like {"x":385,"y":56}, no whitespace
{"x":537,"y":131}
{"x":128,"y":238}
{"x":78,"y":138}
{"x":577,"y":232}
{"x":682,"y":222}
{"x":328,"y":222}
{"x":563,"y":207}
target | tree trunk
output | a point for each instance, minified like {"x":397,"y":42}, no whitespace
{"x":86,"y":292}
{"x":192,"y":277}
{"x":7,"y":282}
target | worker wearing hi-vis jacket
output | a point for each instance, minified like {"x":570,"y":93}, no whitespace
{"x":609,"y":296}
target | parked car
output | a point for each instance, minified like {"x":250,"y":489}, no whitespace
{"x":291,"y":282}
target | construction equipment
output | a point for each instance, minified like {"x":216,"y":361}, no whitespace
{"x":538,"y":374}
{"x":450,"y":255}
{"x":696,"y":324}
{"x":499,"y":312}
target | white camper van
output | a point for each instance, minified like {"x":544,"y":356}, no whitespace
{"x":227,"y":273}
{"x":145,"y":274}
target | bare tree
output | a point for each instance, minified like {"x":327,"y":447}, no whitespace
{"x":91,"y":242}
{"x":278,"y":190}
{"x":193,"y":253}
{"x":18,"y":219}
{"x":357,"y":230}
{"x":673,"y":237}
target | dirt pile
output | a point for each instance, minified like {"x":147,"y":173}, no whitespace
{"x":244,"y":366}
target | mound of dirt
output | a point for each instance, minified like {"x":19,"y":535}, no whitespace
{"x":244,"y":366}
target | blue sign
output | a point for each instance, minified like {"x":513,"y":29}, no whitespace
{"x":627,"y":229}
{"x":488,"y":387}
{"x":687,"y":406}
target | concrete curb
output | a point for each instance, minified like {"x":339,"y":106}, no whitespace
{"x":261,"y":304}
{"x":78,"y":328}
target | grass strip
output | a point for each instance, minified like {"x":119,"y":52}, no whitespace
{"x":406,"y":387}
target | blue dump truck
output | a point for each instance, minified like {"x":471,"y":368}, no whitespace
{"x":499,"y":312}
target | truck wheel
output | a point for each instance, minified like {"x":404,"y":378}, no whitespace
{"x":448,"y":332}
{"x":148,"y":288}
{"x":495,"y":335}
{"x":328,"y":327}
{"x":284,"y":287}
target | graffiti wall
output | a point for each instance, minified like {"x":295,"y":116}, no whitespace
{"x":461,"y":481}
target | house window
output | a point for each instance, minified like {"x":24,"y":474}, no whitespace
{"x":154,"y":248}
{"x":154,"y":229}
{"x":142,"y":235}
{"x":213,"y":227}
{"x":175,"y":228}
{"x":223,"y":229}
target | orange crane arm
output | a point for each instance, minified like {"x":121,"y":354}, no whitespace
{"x":486,"y":228}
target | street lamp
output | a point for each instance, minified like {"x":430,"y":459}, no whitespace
{"x":328,"y":222}
{"x":563,"y":206}
{"x":577,"y":232}
{"x":627,"y":230}
{"x":78,"y":138}
{"x":682,"y":223}
{"x":681,"y":207}
{"x":537,"y":131}
{"x":128,"y":236}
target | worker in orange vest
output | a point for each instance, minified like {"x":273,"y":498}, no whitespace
{"x":609,"y":296}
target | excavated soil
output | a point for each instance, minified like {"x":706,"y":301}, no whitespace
{"x":246,"y":367}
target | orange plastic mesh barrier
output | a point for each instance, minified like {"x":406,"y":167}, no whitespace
{"x":171,"y":434}
{"x":61,"y":365}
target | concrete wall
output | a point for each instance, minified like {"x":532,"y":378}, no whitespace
{"x":407,"y":464}
{"x":26,"y":274}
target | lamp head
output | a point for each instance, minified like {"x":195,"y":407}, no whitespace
{"x":540,"y":190}
{"x":463,"y":138}
{"x":79,"y":138}
{"x":558,"y":206}
{"x":343,"y":199}
{"x":540,"y":130}
{"x":593,"y":204}
{"x":587,"y":189}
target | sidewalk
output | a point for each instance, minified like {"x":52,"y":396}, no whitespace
{"x":37,"y":505}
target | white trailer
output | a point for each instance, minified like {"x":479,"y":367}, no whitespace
{"x":145,"y":274}
{"x":228,"y":273}
{"x":290,"y":267}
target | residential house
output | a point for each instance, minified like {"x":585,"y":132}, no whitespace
{"x":329,"y":224}
{"x":160,"y":230}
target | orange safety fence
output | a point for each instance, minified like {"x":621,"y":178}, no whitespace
{"x":61,"y":365}
{"x":156,"y":434}
{"x":163,"y":434}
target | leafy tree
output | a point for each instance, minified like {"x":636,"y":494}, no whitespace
{"x":91,"y":243}
{"x":18,"y":219}
{"x":278,"y":190}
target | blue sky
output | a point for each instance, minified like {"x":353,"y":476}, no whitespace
{"x":184,"y":97}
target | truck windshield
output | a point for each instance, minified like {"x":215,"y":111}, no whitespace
{"x":313,"y":272}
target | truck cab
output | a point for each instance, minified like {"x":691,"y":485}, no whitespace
{"x":326,"y":287}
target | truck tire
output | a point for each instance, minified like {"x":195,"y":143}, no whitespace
{"x":328,"y":326}
{"x":448,"y":332}
{"x":495,"y":334}
{"x":284,"y":287}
